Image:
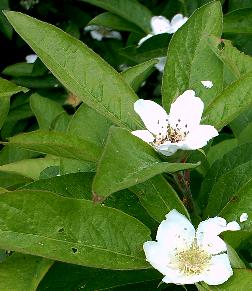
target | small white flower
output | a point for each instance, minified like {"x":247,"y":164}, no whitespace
{"x":160,"y":24}
{"x":99,"y":32}
{"x":207,"y":84}
{"x":187,"y":256}
{"x":30,"y":59}
{"x":180,"y":129}
{"x":244,"y":217}
{"x":161,"y":64}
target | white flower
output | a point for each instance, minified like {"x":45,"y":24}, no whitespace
{"x":160,"y":24}
{"x":244,"y":217}
{"x":99,"y":32}
{"x":30,"y":59}
{"x":161,"y":64}
{"x":180,"y":129}
{"x":207,"y":84}
{"x":185,"y":255}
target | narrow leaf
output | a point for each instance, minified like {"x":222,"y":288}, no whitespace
{"x":56,"y":143}
{"x":79,"y":69}
{"x":130,"y":10}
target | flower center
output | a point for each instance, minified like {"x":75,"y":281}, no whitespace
{"x":173,"y":134}
{"x":193,"y":261}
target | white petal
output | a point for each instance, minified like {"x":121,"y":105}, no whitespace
{"x":233,"y":226}
{"x":243,"y":217}
{"x":212,"y":226}
{"x":187,"y":109}
{"x":142,"y":40}
{"x":96,"y":35}
{"x":177,"y":21}
{"x":176,"y":277}
{"x":114,"y":34}
{"x":91,"y":27}
{"x":207,"y":84}
{"x":212,"y":244}
{"x":160,"y":24}
{"x":199,"y":136}
{"x":145,"y":135}
{"x":175,"y":232}
{"x":219,"y":271}
{"x":169,"y":148}
{"x":30,"y":59}
{"x":153,"y":116}
{"x":161,"y":64}
{"x":157,"y":256}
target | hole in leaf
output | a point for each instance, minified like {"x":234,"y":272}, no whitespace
{"x":221,"y":45}
{"x":61,"y":230}
{"x":74,"y":250}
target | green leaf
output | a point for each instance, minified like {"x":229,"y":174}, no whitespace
{"x":89,"y":125}
{"x":10,"y":154}
{"x":12,"y":180}
{"x":78,"y":185}
{"x":45,"y":110}
{"x":30,"y":168}
{"x":79,"y":69}
{"x":158,"y":197}
{"x":68,"y":166}
{"x":238,"y":204}
{"x":77,"y":277}
{"x":130,"y":10}
{"x":227,"y":188}
{"x":235,"y":260}
{"x":140,"y":163}
{"x":115,"y":22}
{"x":7,"y":89}
{"x":5,"y":27}
{"x":190,"y":59}
{"x":18,"y":70}
{"x":71,"y":230}
{"x":236,"y":61}
{"x":235,"y":158}
{"x":240,"y":123}
{"x":22,"y":272}
{"x":135,"y":76}
{"x":154,"y":47}
{"x":217,"y":151}
{"x":57,"y":143}
{"x":238,"y":21}
{"x":230,"y":103}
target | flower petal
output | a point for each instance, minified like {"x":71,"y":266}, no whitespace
{"x":176,"y":277}
{"x":175,"y":232}
{"x":153,"y":116}
{"x":186,"y":110}
{"x":233,"y":226}
{"x":156,"y":255}
{"x":30,"y":59}
{"x":96,"y":35}
{"x":219,"y":271}
{"x":207,"y":235}
{"x":244,"y":217}
{"x":161,"y":64}
{"x":142,"y":40}
{"x":177,"y":21}
{"x":160,"y":24}
{"x":145,"y":135}
{"x":114,"y":34}
{"x":199,"y":136}
{"x":169,"y":148}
